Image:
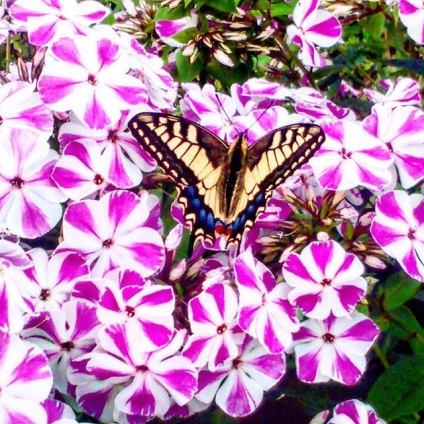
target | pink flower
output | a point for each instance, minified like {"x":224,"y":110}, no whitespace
{"x":47,"y":20}
{"x":402,"y":130}
{"x":238,"y":385}
{"x":29,"y":199}
{"x":64,"y":335}
{"x":411,"y":14}
{"x":216,"y":336}
{"x":146,"y":309}
{"x":119,"y":230}
{"x":21,"y":107}
{"x":89,"y":75}
{"x":25,"y":381}
{"x":118,"y":158}
{"x":325,"y":279}
{"x":152,"y":379}
{"x":351,"y":157}
{"x":403,"y":92}
{"x":334,"y":349}
{"x":264,"y":311}
{"x":398,"y":227}
{"x":354,"y":412}
{"x":54,"y":278}
{"x":313,"y":27}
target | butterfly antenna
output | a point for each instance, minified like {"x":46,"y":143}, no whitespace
{"x":258,"y":118}
{"x":225,"y":113}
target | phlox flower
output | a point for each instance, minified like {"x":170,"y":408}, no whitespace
{"x":29,"y":199}
{"x":21,"y":107}
{"x":16,"y":289}
{"x":313,"y":27}
{"x":333,"y":349}
{"x":89,"y":75}
{"x":402,"y":130}
{"x":54,"y":278}
{"x":119,"y":230}
{"x":411,"y":14}
{"x":25,"y":381}
{"x":402,"y":92}
{"x":354,"y":412}
{"x":216,"y":335}
{"x":81,"y":170}
{"x":239,"y":384}
{"x":121,"y":156}
{"x":167,"y":29}
{"x":145,"y":308}
{"x":4,"y":26}
{"x":351,"y":157}
{"x":398,"y":227}
{"x":149,"y":68}
{"x":152,"y":378}
{"x":46,"y":20}
{"x":63,"y":335}
{"x":325,"y":280}
{"x":58,"y":412}
{"x":264,"y":311}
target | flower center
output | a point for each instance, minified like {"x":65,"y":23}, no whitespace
{"x":92,"y":80}
{"x":108,"y":243}
{"x":16,"y":182}
{"x":328,"y":338}
{"x":411,"y":234}
{"x":142,"y":368}
{"x":344,"y":154}
{"x":68,"y":346}
{"x":326,"y":282}
{"x":98,"y":179}
{"x":221,"y":329}
{"x":130,"y":311}
{"x":45,"y":294}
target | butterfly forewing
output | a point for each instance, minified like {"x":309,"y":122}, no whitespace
{"x":199,"y":162}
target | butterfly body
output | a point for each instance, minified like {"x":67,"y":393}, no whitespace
{"x":223,"y":188}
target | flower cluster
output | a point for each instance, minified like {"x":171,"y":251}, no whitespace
{"x":106,"y":312}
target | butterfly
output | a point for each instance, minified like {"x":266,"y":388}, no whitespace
{"x":222,"y":187}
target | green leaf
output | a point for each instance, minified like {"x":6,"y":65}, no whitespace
{"x":399,"y":391}
{"x":170,"y":14}
{"x":374,"y":26}
{"x":399,"y":288}
{"x":186,"y":35}
{"x":223,"y":5}
{"x":403,"y":323}
{"x":414,"y":65}
{"x":282,"y":8}
{"x":187,"y":71}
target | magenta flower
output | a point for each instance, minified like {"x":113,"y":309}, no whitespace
{"x":264,"y":311}
{"x":146,"y":309}
{"x":81,"y":170}
{"x":167,"y":29}
{"x":29,"y":199}
{"x":398,"y":227}
{"x":354,"y":412}
{"x":64,"y":335}
{"x":216,"y":336}
{"x":238,"y":385}
{"x":119,"y":230}
{"x":21,"y":107}
{"x":58,"y":412}
{"x":411,"y":14}
{"x":325,"y":279}
{"x":152,"y":379}
{"x":119,"y":158}
{"x":402,"y":130}
{"x":313,"y":27}
{"x":403,"y":92}
{"x":334,"y":349}
{"x":89,"y":75}
{"x":47,"y":20}
{"x":54,"y":278}
{"x":351,"y":157}
{"x":25,"y":381}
